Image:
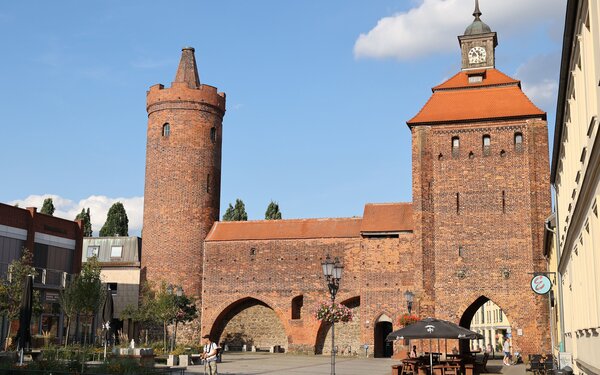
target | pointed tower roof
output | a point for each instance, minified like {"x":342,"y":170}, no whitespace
{"x":187,"y":71}
{"x":478,"y":26}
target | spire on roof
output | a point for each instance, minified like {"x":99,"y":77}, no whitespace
{"x":477,"y":12}
{"x":478,"y":26}
{"x":187,"y":71}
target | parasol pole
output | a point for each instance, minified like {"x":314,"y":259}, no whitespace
{"x":430,"y":358}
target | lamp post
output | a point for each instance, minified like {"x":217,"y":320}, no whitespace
{"x":332,"y":270}
{"x":409,"y":296}
{"x":177,"y":291}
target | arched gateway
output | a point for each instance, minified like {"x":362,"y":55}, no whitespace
{"x":474,"y":228}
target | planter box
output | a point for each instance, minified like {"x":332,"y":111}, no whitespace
{"x":184,"y":360}
{"x":172,"y":360}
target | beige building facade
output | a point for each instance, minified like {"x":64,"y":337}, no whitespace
{"x":575,"y":176}
{"x":119,"y":259}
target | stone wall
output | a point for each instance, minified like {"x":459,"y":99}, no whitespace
{"x":252,"y":323}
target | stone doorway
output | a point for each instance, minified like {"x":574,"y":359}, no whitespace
{"x":484,"y":316}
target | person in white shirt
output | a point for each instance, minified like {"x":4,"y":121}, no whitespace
{"x":210,"y":355}
{"x":506,"y":349}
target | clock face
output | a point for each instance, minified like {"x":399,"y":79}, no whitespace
{"x":476,"y":55}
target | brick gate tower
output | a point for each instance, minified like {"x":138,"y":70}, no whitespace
{"x":183,"y":176}
{"x":481,"y":194}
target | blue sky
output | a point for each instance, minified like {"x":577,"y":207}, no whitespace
{"x":318,"y":93}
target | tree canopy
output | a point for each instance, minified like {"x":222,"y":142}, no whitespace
{"x":237,"y":213}
{"x":11,"y":290}
{"x":48,"y":207}
{"x":117,"y":223}
{"x":84,"y":215}
{"x":273,"y":212}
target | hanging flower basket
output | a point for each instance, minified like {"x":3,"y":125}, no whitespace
{"x":333,"y":313}
{"x":407,"y":319}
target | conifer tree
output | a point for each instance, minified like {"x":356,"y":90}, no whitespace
{"x":237,"y":213}
{"x":117,"y":223}
{"x":273,"y":212}
{"x":48,"y":207}
{"x":87,"y":222}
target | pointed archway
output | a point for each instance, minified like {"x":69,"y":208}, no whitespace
{"x":383,"y":327}
{"x":486,"y":317}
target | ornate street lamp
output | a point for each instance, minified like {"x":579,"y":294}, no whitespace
{"x":332,"y":270}
{"x":409,"y":296}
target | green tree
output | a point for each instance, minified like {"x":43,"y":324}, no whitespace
{"x":117,"y":223}
{"x":84,"y":215}
{"x":67,"y":298}
{"x":48,"y":207}
{"x":11,"y":290}
{"x":237,"y":213}
{"x":89,"y":293}
{"x":162,"y":306}
{"x":273,"y":212}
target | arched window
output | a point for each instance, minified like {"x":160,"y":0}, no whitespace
{"x":486,"y":142}
{"x":297,"y":304}
{"x":455,"y":146}
{"x":213,"y":134}
{"x":166,"y":130}
{"x":518,"y":141}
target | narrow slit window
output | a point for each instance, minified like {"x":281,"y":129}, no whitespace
{"x":486,"y":143}
{"x":455,"y":146}
{"x":518,"y":142}
{"x":297,"y":304}
{"x":457,"y":203}
{"x":503,"y":202}
{"x":208,"y":183}
{"x":166,"y":130}
{"x":213,"y":134}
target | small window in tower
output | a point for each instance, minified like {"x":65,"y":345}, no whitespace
{"x":297,"y":304}
{"x":208,"y":183}
{"x":486,"y":143}
{"x":455,"y":146}
{"x":518,"y":142}
{"x":166,"y":130}
{"x":213,"y":134}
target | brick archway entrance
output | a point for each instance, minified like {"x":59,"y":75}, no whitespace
{"x":249,"y":323}
{"x":347,"y":335}
{"x":383,"y":327}
{"x":489,"y":321}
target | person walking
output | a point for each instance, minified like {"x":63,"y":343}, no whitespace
{"x":210,"y":355}
{"x":506,"y":350}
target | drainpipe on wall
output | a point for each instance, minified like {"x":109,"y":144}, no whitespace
{"x":561,"y":312}
{"x":550,"y":317}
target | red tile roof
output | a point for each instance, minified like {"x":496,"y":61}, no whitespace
{"x":497,"y":96}
{"x":387,"y":217}
{"x":284,"y":229}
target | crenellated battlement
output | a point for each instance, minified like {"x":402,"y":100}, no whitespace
{"x":180,"y":92}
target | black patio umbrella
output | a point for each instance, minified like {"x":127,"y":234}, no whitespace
{"x":431,"y":328}
{"x":24,"y":333}
{"x":107,"y":316}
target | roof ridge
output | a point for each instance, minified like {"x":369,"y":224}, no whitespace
{"x":291,"y":220}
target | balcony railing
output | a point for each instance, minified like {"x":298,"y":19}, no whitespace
{"x":42,"y":276}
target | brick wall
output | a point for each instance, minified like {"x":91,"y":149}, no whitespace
{"x":492,"y":208}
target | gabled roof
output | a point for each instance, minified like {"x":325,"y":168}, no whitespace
{"x":284,"y":229}
{"x":387,"y":217}
{"x":497,"y":96}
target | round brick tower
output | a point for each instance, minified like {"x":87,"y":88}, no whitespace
{"x":183,"y":176}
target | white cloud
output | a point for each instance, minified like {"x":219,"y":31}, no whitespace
{"x":539,"y":79}
{"x":98,"y":205}
{"x":432,"y":26}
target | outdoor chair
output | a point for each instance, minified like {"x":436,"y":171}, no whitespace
{"x":481,"y":366}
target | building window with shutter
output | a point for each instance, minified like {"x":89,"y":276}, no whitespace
{"x":486,"y":144}
{"x":518,"y":142}
{"x":455,"y":147}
